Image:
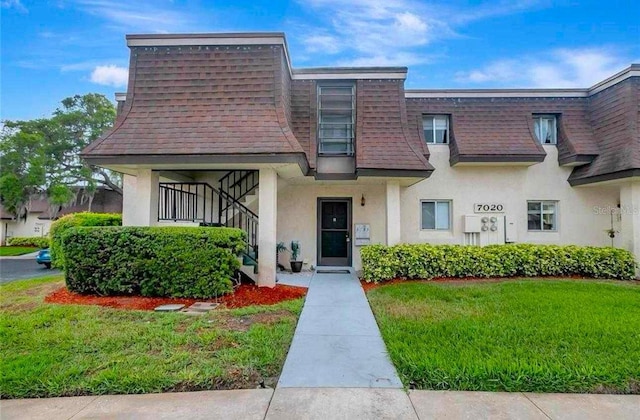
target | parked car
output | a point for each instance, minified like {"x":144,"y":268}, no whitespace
{"x":44,"y":257}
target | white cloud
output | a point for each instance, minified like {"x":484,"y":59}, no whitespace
{"x":323,"y":43}
{"x":381,"y":32}
{"x":110,"y":75}
{"x":13,"y":4}
{"x":140,"y":15}
{"x":561,"y":68}
{"x":402,"y":59}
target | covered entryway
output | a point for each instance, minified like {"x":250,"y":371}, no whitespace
{"x":334,"y":231}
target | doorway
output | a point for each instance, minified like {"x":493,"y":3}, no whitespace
{"x":334,"y":231}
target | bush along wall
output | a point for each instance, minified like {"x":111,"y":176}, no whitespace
{"x":190,"y":262}
{"x":36,"y":241}
{"x":60,"y":226}
{"x":424,"y":261}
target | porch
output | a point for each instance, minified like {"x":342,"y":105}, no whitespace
{"x":271,"y":204}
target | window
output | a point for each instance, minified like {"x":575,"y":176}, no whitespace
{"x":336,"y":104}
{"x":436,"y":215}
{"x":542,"y":215}
{"x":545,"y":128}
{"x":436,"y":129}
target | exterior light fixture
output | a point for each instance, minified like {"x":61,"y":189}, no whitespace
{"x":362,"y":201}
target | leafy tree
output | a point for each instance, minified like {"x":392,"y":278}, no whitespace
{"x":22,"y":169}
{"x":42,"y":156}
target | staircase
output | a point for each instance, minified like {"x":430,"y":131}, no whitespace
{"x":199,"y":202}
{"x":242,"y":187}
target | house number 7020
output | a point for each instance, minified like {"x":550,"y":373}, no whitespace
{"x":488,"y":208}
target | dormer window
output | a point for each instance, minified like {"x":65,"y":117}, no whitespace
{"x":546,"y":128}
{"x":336,"y":112}
{"x":436,"y":129}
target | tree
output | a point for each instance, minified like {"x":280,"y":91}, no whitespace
{"x":42,"y":156}
{"x":22,"y":169}
{"x":84,"y":119}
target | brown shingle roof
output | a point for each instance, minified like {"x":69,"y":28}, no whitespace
{"x":615,"y":118}
{"x":201,"y":100}
{"x":500,"y":128}
{"x":384,"y":139}
{"x":104,"y":201}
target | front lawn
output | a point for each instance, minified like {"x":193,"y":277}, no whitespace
{"x":58,"y":350}
{"x":12,"y":251}
{"x":524,"y":335}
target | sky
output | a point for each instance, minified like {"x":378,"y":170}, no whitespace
{"x":53,"y":49}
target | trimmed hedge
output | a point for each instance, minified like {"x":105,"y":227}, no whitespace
{"x":36,"y":241}
{"x":60,"y":226}
{"x":424,"y":261}
{"x":194,"y":262}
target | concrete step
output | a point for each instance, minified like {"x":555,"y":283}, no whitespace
{"x":250,"y":271}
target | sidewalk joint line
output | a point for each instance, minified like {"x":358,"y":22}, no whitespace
{"x":411,"y":402}
{"x":87,"y":405}
{"x":536,"y":405}
{"x":269,"y":403}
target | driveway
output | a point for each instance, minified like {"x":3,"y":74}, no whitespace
{"x":22,"y":268}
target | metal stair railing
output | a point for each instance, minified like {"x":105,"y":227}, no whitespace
{"x":199,"y":202}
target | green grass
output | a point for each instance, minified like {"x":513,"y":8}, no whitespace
{"x":12,"y":251}
{"x":527,"y":335}
{"x":59,"y":350}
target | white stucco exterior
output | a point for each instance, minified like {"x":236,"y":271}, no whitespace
{"x":629,"y":215}
{"x":288,"y":207}
{"x":578,"y":219}
{"x":32,"y":226}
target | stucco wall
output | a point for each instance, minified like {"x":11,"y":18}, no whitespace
{"x":578,"y":222}
{"x":29,"y":228}
{"x":297,"y":215}
{"x":582,"y":211}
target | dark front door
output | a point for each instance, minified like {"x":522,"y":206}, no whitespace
{"x":334,"y":231}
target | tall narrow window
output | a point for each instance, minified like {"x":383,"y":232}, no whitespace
{"x":436,"y":129}
{"x":546,"y":128}
{"x":542,"y":215}
{"x":336,"y":106}
{"x":436,"y":215}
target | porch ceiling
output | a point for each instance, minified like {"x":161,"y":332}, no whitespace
{"x":284,"y":170}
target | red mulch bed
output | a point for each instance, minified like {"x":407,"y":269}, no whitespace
{"x":245,"y":295}
{"x":368,"y":286}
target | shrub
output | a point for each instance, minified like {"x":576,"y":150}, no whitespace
{"x":424,"y":261}
{"x":76,"y":219}
{"x":192,"y":262}
{"x":36,"y":241}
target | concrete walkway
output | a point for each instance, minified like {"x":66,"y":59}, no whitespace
{"x":337,"y":342}
{"x":328,"y":403}
{"x":29,"y":256}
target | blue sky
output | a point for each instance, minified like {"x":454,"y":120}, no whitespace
{"x":52,"y":49}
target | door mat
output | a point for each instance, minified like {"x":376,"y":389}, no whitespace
{"x":336,"y":271}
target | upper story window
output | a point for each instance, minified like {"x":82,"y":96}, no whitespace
{"x":436,"y":129}
{"x":546,"y":128}
{"x":336,"y":114}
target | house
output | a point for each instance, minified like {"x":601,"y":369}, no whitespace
{"x":40,"y":214}
{"x":220,"y":129}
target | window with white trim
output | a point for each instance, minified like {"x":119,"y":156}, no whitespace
{"x":546,"y":128}
{"x":436,"y":129}
{"x":542,"y":215}
{"x":336,"y":113}
{"x":436,"y":214}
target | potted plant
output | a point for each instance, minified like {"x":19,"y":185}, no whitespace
{"x":296,"y":265}
{"x":280,"y":247}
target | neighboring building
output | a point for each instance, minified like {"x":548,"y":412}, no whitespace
{"x":39,"y":216}
{"x":219,"y":128}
